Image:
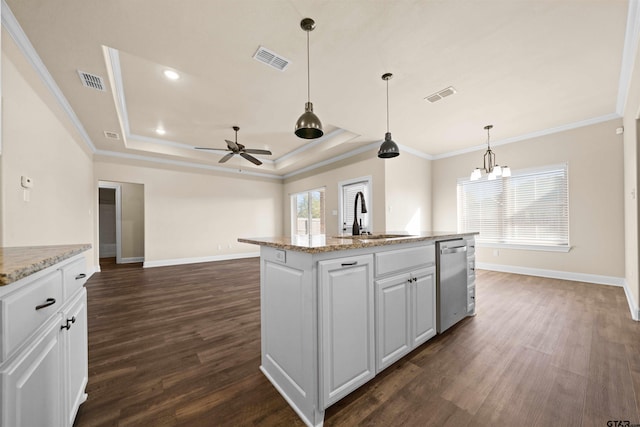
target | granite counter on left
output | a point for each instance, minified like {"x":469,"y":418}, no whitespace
{"x":19,"y":262}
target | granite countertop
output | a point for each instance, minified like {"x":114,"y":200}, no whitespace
{"x":19,"y":262}
{"x":323,"y":243}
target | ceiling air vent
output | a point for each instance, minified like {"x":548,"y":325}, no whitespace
{"x":441,"y":94}
{"x":92,"y":81}
{"x":271,"y":58}
{"x":111,"y":135}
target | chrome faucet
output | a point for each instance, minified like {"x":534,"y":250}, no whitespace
{"x":356,"y":229}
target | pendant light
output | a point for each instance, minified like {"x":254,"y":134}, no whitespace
{"x":490,"y":166}
{"x":308,"y":125}
{"x":388,"y":149}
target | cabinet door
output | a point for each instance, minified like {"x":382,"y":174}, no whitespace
{"x":393,"y":297}
{"x":424,"y":305}
{"x":346,"y":338}
{"x":31,"y":384}
{"x":74,"y":339}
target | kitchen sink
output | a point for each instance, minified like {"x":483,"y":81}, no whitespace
{"x":375,"y":236}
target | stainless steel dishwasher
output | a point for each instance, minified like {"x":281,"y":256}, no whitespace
{"x":451,"y":283}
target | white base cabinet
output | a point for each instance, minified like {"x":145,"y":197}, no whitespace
{"x":43,"y":369}
{"x":346,"y":326}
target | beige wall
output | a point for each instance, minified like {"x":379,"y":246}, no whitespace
{"x":192,"y":215}
{"x":596,"y":214}
{"x":38,"y":141}
{"x":132,"y":220}
{"x":632,"y":182}
{"x":366,"y":164}
{"x":408,"y":194}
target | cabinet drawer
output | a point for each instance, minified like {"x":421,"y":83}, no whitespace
{"x":405,"y":259}
{"x":74,"y":276}
{"x":20,"y":318}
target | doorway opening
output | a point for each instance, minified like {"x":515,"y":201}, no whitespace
{"x":120,"y":224}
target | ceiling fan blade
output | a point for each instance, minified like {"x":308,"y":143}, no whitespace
{"x":251,"y":159}
{"x":225,"y":158}
{"x":232,"y":145}
{"x":257,"y":151}
{"x":212,"y":149}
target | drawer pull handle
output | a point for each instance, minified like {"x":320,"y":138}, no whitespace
{"x":50,"y":302}
{"x":347,"y":264}
{"x":68,"y":325}
{"x":81,"y":276}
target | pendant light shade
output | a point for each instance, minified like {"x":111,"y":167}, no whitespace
{"x":388,"y":148}
{"x":308,"y":125}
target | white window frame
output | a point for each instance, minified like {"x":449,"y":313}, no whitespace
{"x":532,"y":247}
{"x":294,"y":207}
{"x":368,"y":200}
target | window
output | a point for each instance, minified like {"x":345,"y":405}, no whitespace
{"x":307,"y":213}
{"x":530,"y":208}
{"x":348,"y":191}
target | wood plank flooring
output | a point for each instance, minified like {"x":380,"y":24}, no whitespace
{"x":180,"y":346}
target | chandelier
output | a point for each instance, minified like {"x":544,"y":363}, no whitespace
{"x":491,"y":168}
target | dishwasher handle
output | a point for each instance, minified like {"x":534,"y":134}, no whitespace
{"x":453,"y":250}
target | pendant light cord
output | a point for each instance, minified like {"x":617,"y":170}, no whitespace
{"x":308,"y":71}
{"x":387,"y":105}
{"x":489,"y":139}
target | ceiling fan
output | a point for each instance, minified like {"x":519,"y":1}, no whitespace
{"x":237,"y":148}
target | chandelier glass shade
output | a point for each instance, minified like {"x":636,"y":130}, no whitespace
{"x":490,"y":167}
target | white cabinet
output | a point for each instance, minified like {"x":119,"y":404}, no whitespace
{"x":43,"y":365}
{"x":346,"y":326}
{"x":423,"y":306}
{"x":32,"y":382}
{"x":393,"y":297}
{"x":74,"y":337}
{"x":405,"y":310}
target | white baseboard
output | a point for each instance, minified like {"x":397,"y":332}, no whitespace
{"x":554,"y":274}
{"x":567,"y":275}
{"x":635,"y":312}
{"x":181,"y":261}
{"x":131,"y":260}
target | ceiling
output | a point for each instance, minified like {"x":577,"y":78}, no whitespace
{"x":524,"y":66}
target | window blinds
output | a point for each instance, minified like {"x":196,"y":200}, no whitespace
{"x":529,"y":208}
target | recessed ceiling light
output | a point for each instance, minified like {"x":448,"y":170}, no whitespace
{"x":171,"y":75}
{"x":160,"y":131}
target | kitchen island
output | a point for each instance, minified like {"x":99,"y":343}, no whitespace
{"x":335,"y":311}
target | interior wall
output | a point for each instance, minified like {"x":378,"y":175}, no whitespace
{"x":596,"y":198}
{"x":632,"y":183}
{"x":190,"y":215}
{"x":38,"y":141}
{"x":107,"y":222}
{"x":408,"y":194}
{"x":132,"y":220}
{"x":366,"y":164}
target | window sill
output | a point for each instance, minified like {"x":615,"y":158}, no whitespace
{"x":540,"y":248}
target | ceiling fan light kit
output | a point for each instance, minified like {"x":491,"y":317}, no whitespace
{"x":308,"y":125}
{"x":388,"y":148}
{"x":491,"y":168}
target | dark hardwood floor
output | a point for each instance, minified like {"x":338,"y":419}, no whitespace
{"x":181,"y":346}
